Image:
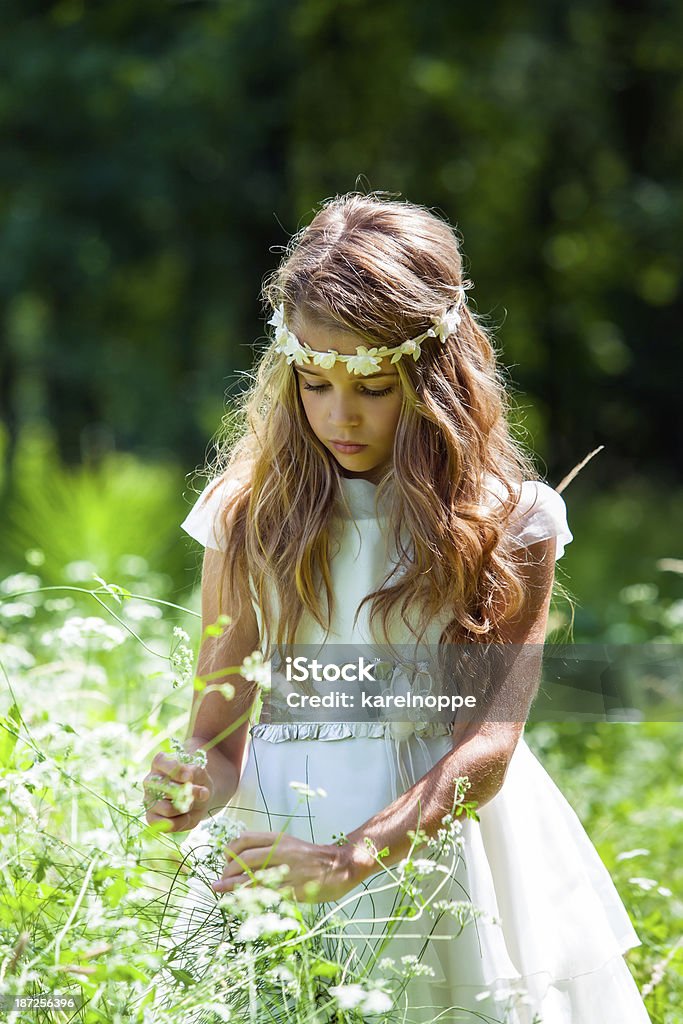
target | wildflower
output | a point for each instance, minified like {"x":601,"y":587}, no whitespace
{"x":265,"y":924}
{"x":91,"y":633}
{"x":182,"y":797}
{"x":350,"y":997}
{"x":377,"y":1002}
{"x":59,"y":604}
{"x":254,"y":670}
{"x":639,"y":593}
{"x":628,"y":854}
{"x":13,"y":657}
{"x":223,"y":830}
{"x":137,"y":610}
{"x":420,"y":866}
{"x":182,"y":658}
{"x":414,"y":969}
{"x":19,"y":582}
{"x":198,"y":758}
{"x":304,"y":790}
{"x":644,"y":883}
{"x":16,"y":610}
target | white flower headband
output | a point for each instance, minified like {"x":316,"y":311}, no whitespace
{"x":365,"y":361}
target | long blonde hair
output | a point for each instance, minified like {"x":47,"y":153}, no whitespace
{"x":381,"y":269}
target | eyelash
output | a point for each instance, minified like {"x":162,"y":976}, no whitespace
{"x":373,"y":394}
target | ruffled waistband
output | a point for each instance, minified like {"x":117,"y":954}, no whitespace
{"x":288,"y":731}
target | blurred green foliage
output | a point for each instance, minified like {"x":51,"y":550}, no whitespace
{"x":156,"y":156}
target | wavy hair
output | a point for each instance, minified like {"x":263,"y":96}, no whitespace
{"x":379,"y":268}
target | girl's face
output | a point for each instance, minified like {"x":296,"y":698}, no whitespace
{"x":341,"y":406}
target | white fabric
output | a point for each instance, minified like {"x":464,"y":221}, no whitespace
{"x":549,"y":947}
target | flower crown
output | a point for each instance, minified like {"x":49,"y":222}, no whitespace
{"x":366,"y":361}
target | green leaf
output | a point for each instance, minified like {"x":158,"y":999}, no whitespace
{"x":324,"y":969}
{"x":184,"y":977}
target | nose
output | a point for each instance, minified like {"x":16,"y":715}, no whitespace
{"x":344,"y":412}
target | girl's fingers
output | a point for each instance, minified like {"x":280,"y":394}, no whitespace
{"x":252,"y":859}
{"x":165,"y":807}
{"x":182,"y":823}
{"x":227,"y":885}
{"x":174,"y":770}
{"x":250,"y":840}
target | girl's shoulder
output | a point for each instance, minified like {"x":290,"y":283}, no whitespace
{"x":204,"y":521}
{"x":540,"y":513}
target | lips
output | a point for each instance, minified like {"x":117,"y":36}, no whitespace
{"x":347,"y":447}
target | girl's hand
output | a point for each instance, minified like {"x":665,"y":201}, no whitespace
{"x":187,"y":792}
{"x":310,"y":865}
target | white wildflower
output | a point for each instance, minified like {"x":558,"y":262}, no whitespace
{"x":182,"y":797}
{"x":348,"y":996}
{"x":59,"y":604}
{"x":223,"y":830}
{"x":254,"y":670}
{"x":13,"y":657}
{"x":19,"y":798}
{"x":644,"y":883}
{"x":352,"y":996}
{"x":420,"y":866}
{"x":138,"y":611}
{"x":16,"y":610}
{"x":414,"y":969}
{"x":91,"y":633}
{"x":198,"y":758}
{"x":639,"y":593}
{"x":377,"y":1002}
{"x":628,"y":854}
{"x":181,"y":657}
{"x":20,"y":582}
{"x":265,"y":924}
{"x":304,"y":790}
{"x":283,"y":974}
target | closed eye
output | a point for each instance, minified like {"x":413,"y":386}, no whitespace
{"x":366,"y":391}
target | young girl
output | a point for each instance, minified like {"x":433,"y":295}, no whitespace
{"x":376,"y":496}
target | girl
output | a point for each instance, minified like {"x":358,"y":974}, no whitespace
{"x":376,"y":496}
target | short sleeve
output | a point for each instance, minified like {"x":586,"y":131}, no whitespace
{"x":204,"y":520}
{"x":541,"y":514}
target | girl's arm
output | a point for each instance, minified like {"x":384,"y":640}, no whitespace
{"x":218,"y":725}
{"x":482,"y":752}
{"x":212,"y":715}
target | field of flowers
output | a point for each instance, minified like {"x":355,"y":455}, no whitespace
{"x":97,"y":668}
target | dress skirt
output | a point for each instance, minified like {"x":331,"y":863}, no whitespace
{"x":529,"y":927}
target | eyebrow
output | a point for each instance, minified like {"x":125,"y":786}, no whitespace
{"x":366,"y":376}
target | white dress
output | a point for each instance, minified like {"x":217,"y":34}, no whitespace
{"x":548,"y":946}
